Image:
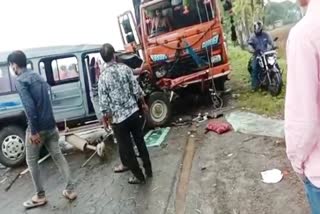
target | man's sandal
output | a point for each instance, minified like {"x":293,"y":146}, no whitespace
{"x":120,"y":169}
{"x":70,"y":195}
{"x":34,"y":202}
{"x":134,"y":180}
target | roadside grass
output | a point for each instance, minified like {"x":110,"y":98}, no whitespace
{"x":260,"y":102}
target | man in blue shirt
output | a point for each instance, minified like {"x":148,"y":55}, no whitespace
{"x":258,"y":43}
{"x":41,"y":131}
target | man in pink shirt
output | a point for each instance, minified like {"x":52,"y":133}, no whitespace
{"x":302,"y":109}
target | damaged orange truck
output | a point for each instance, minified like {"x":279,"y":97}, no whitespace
{"x":186,"y":51}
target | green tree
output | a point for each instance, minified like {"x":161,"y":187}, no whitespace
{"x":246,"y":12}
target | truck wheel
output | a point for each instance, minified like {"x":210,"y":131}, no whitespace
{"x":220,"y":83}
{"x":159,"y":109}
{"x":12,"y":146}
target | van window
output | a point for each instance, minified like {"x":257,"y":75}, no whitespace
{"x":65,"y":69}
{"x":5,"y":86}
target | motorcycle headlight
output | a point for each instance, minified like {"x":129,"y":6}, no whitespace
{"x":216,"y":59}
{"x":271,"y":60}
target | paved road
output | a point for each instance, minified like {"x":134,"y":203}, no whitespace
{"x":225,"y":179}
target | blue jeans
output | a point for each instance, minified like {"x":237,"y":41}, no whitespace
{"x":255,"y":74}
{"x":313,"y":194}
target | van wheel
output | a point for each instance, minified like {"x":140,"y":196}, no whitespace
{"x":12,"y":146}
{"x":159,"y":109}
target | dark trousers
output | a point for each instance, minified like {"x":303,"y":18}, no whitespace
{"x":122,"y":131}
{"x":255,"y":74}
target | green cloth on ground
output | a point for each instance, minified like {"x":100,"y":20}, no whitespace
{"x":156,"y":137}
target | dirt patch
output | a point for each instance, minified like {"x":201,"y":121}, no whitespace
{"x":231,"y":182}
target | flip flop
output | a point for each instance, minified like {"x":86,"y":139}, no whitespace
{"x":134,"y":180}
{"x":33,"y":204}
{"x":70,"y":195}
{"x":120,"y":169}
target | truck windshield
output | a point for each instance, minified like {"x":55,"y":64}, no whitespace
{"x":164,"y":18}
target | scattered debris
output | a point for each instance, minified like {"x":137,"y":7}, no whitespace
{"x":2,"y":167}
{"x":155,"y":189}
{"x":253,"y":124}
{"x":203,"y":168}
{"x":198,"y":211}
{"x":229,"y":155}
{"x":218,"y":127}
{"x":156,"y":137}
{"x":235,"y":96}
{"x":272,"y":176}
{"x":285,"y":173}
{"x":279,"y":142}
{"x":201,"y":118}
{"x":3,"y":180}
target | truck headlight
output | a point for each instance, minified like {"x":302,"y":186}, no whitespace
{"x":216,"y":59}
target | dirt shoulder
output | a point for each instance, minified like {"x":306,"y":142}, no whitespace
{"x":226,"y":177}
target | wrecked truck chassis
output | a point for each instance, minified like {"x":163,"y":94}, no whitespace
{"x":161,"y":93}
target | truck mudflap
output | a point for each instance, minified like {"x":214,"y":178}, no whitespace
{"x":200,"y":76}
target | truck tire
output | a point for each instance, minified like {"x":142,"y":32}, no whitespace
{"x":12,"y":146}
{"x":220,"y":83}
{"x":159,"y":109}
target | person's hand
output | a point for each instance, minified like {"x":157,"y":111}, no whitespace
{"x":35,"y":138}
{"x":145,"y":108}
{"x":105,"y":122}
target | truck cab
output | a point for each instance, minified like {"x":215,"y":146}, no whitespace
{"x":189,"y":51}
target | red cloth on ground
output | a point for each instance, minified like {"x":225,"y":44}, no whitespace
{"x":218,"y":127}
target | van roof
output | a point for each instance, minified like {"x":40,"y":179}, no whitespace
{"x":51,"y":51}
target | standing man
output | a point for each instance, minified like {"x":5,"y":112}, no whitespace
{"x":119,"y":95}
{"x":302,"y":109}
{"x":41,"y":131}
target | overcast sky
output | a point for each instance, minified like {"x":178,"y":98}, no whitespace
{"x":38,"y":23}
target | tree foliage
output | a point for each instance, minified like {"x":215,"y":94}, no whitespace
{"x":287,"y":12}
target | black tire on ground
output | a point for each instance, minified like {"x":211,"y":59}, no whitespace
{"x":12,"y":146}
{"x":275,"y":85}
{"x":220,"y":83}
{"x":159,"y":109}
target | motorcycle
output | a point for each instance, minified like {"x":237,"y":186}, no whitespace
{"x":270,"y":76}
